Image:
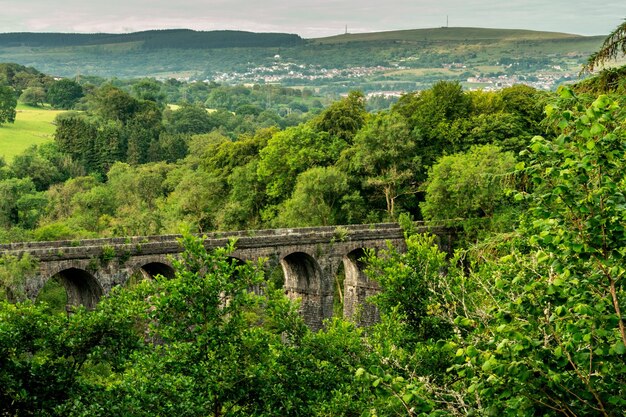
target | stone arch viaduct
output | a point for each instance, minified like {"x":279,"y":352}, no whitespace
{"x":310,"y":259}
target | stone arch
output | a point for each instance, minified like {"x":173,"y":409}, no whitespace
{"x":152,"y":269}
{"x":238,"y":261}
{"x":303,"y":279}
{"x":357,"y":288}
{"x":82,"y":288}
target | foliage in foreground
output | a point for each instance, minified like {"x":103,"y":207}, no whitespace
{"x":535,"y":319}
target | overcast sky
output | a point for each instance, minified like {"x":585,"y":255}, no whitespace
{"x":310,"y":18}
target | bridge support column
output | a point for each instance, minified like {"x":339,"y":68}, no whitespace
{"x":357,"y":288}
{"x":304,"y":279}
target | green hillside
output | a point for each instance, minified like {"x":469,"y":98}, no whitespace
{"x":458,"y":34}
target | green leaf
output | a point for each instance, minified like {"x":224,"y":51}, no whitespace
{"x":489,"y":365}
{"x":596,"y":129}
{"x":558,"y":352}
{"x":619,"y":347}
{"x":471,"y":351}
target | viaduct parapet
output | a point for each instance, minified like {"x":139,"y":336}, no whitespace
{"x":310,"y":259}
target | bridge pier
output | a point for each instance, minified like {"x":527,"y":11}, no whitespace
{"x":357,"y":289}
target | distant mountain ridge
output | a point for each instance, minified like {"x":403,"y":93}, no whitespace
{"x":191,"y":39}
{"x":448,"y":34}
{"x":155,"y":39}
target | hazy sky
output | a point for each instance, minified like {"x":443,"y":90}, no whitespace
{"x":308,"y":18}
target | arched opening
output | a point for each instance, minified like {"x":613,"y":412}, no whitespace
{"x":153,"y":269}
{"x":303,"y":279}
{"x":236,"y":262}
{"x":149,"y":271}
{"x":275,"y":273}
{"x":357,"y":288}
{"x":54,"y":295}
{"x":80,"y":287}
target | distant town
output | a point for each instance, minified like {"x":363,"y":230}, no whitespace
{"x":291,"y":73}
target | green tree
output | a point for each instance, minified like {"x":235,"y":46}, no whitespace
{"x":8,"y":102}
{"x":76,"y":136}
{"x":470,"y":187}
{"x":148,"y":89}
{"x":246,"y":199}
{"x":111,"y":103}
{"x":64,"y":94}
{"x":431,"y":115}
{"x":34,"y":96}
{"x":110,"y":144}
{"x":407,"y":374}
{"x":47,"y":361}
{"x":31,"y":163}
{"x":213,"y":341}
{"x":61,"y":195}
{"x":189,"y":119}
{"x":14,"y":271}
{"x":293,"y":151}
{"x":318,"y":199}
{"x":385,"y":156}
{"x":195,"y":200}
{"x":405,"y":280}
{"x":556,"y":343}
{"x":614,"y":46}
{"x":20,"y":203}
{"x":171,"y":147}
{"x":93,"y":210}
{"x":139,"y":190}
{"x":343,"y":118}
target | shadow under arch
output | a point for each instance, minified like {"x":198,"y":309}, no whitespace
{"x":303,"y":279}
{"x":152,"y":269}
{"x":236,"y":261}
{"x":148,"y":271}
{"x":357,"y":288}
{"x":81,"y":287}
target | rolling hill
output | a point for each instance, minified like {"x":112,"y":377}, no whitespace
{"x":456,"y":34}
{"x":153,"y":39}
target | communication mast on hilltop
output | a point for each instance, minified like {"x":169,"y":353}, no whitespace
{"x":346,"y":29}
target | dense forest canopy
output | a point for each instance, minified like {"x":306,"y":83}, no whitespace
{"x":234,"y":157}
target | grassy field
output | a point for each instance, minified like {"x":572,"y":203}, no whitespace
{"x":32,"y":126}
